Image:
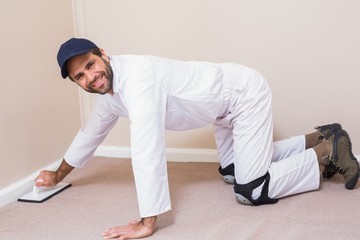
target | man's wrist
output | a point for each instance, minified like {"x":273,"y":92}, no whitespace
{"x":57,"y":177}
{"x":63,"y":170}
{"x":149,"y":222}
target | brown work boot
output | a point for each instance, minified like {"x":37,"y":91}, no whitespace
{"x":341,"y":159}
{"x":326,"y":131}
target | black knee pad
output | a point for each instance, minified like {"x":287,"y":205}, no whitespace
{"x":228,"y":170}
{"x":244,"y":191}
{"x":228,"y":173}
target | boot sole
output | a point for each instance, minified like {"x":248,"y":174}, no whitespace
{"x":353,"y":181}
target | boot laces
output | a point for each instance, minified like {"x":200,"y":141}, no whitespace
{"x":335,"y":166}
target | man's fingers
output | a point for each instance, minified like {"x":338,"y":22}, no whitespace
{"x":39,"y":182}
{"x":135,"y":229}
{"x":122,"y":232}
{"x":114,"y":233}
{"x":45,"y":179}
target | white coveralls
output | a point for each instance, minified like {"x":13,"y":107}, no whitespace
{"x":158,"y":94}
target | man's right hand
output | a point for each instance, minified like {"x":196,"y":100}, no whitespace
{"x":51,"y":178}
{"x":46,"y":179}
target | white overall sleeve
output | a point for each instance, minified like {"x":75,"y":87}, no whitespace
{"x":146,"y":105}
{"x":91,"y":136}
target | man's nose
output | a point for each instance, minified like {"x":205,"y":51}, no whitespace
{"x":89,"y":76}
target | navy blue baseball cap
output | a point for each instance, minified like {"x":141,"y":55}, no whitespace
{"x":71,"y":48}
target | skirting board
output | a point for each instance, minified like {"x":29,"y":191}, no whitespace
{"x":172,"y":154}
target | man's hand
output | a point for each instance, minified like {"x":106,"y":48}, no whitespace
{"x":135,"y":229}
{"x":46,"y":179}
{"x":51,"y":178}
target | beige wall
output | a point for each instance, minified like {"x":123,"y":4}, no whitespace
{"x":309,"y":51}
{"x":39,"y":111}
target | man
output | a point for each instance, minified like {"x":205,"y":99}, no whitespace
{"x":158,"y":94}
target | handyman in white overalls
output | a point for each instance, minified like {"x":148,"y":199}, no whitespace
{"x":158,"y":94}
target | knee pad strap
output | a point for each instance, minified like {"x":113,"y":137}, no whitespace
{"x":245,"y":191}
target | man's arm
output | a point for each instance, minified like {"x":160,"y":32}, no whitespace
{"x":51,"y":178}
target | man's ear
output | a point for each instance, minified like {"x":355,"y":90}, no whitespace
{"x":104,"y":56}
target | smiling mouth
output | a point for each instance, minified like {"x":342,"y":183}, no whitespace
{"x":98,"y":82}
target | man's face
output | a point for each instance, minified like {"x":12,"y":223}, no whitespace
{"x":91,"y":72}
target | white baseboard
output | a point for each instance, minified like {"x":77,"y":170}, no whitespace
{"x":172,"y":154}
{"x":12,"y":192}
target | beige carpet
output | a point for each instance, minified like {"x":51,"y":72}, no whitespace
{"x":204,"y":207}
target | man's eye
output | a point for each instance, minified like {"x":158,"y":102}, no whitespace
{"x":79,"y":77}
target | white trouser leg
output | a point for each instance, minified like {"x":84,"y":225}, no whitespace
{"x":224,"y":141}
{"x":253,"y":131}
{"x":292,"y":169}
{"x":253,"y":149}
{"x":296,"y":174}
{"x":281,"y":149}
{"x":287,"y":147}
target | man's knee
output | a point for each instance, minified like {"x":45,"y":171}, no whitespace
{"x":244,"y":192}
